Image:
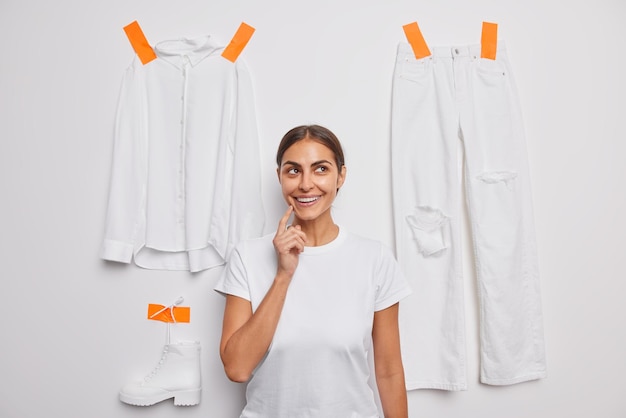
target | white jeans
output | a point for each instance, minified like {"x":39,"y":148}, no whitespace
{"x":449,"y":96}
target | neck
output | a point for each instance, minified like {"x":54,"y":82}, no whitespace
{"x":318,"y":231}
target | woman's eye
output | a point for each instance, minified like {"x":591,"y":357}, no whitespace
{"x":293,"y":171}
{"x":321,"y":169}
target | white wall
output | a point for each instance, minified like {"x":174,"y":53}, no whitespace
{"x":73,"y":327}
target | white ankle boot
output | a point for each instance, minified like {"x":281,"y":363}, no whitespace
{"x":176,"y":376}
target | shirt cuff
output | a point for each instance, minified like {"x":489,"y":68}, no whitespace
{"x":116,"y":251}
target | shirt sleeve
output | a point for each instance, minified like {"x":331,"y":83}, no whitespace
{"x":234,"y":279}
{"x":247,"y":214}
{"x":392,"y":285}
{"x":128,"y":172}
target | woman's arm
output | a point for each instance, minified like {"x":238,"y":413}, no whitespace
{"x":388,"y":363}
{"x":246,"y":336}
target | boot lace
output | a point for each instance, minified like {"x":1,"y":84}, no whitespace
{"x":156,"y":369}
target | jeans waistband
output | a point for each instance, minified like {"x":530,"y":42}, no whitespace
{"x":404,"y":50}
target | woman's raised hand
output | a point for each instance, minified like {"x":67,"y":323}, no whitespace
{"x":289,"y":243}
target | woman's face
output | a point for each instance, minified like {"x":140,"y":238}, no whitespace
{"x":309,"y":178}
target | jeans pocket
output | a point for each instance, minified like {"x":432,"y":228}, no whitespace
{"x":489,"y":67}
{"x":416,"y":70}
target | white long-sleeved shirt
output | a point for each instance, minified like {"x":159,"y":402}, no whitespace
{"x":185,"y":180}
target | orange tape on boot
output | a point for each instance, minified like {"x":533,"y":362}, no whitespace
{"x":139,"y":42}
{"x":489,"y":41}
{"x":415,"y":38}
{"x":239,"y":42}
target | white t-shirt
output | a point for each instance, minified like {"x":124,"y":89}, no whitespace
{"x":317,"y":364}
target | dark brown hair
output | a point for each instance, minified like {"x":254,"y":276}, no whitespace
{"x":315,"y":132}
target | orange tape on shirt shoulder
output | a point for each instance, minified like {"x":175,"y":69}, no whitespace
{"x":181,"y":313}
{"x":415,"y":38}
{"x":239,"y":42}
{"x":139,"y":42}
{"x":489,"y":41}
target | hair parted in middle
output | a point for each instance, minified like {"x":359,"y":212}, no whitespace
{"x":315,"y":132}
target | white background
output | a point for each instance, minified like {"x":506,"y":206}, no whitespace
{"x":73,"y":327}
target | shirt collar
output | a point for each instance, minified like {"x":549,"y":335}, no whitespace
{"x":179,"y":51}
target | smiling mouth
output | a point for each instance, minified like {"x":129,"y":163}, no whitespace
{"x":307,"y":199}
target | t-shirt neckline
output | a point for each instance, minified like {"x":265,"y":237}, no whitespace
{"x":321,"y":249}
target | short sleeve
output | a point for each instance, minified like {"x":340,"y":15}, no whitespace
{"x":391,"y":286}
{"x":234,"y":279}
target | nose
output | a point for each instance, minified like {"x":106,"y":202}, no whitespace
{"x":306,"y":183}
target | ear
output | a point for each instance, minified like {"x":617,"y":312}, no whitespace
{"x":341,"y":178}
{"x":278,"y":174}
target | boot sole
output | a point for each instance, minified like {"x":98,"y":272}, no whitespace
{"x":181,"y":398}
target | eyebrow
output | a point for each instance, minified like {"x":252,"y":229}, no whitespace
{"x":295,"y":164}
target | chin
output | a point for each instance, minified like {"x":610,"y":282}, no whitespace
{"x":309,"y":214}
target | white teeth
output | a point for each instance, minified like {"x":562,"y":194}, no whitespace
{"x":306,"y":199}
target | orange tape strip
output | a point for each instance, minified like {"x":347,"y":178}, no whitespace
{"x":181,"y":313}
{"x":489,"y":41}
{"x":415,"y":38}
{"x":139,"y":42}
{"x":239,"y":42}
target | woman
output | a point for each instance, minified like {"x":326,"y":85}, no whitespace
{"x":306,"y":304}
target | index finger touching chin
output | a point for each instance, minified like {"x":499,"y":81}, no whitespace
{"x":282,"y":225}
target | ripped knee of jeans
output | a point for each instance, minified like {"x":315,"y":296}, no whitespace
{"x":428,"y":226}
{"x":494,"y":177}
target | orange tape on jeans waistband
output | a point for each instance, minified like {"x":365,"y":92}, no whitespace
{"x":139,"y":42}
{"x":164,"y":313}
{"x":415,"y":38}
{"x":489,"y":41}
{"x":239,"y":42}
